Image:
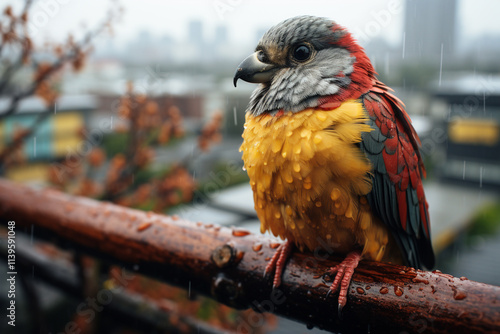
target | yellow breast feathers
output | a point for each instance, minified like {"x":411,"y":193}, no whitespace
{"x":309,"y":178}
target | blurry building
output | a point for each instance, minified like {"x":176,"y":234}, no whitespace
{"x":195,"y":32}
{"x":220,"y":35}
{"x":472,"y":129}
{"x":429,"y":27}
{"x":221,"y":48}
{"x":483,"y":52}
{"x":57,"y":135}
{"x":144,"y":48}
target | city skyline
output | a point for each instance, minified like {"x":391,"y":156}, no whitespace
{"x":388,"y":30}
{"x":55,"y":18}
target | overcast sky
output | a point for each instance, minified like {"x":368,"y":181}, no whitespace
{"x":244,"y":17}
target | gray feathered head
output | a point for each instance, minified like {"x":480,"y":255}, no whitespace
{"x":298,"y":62}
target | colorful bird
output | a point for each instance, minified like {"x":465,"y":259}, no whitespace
{"x":331,"y":154}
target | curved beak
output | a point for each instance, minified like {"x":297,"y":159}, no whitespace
{"x":253,"y":70}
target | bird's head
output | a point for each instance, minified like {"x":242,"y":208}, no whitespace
{"x":305,"y":62}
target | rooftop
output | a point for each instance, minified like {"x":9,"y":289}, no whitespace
{"x":35,"y":104}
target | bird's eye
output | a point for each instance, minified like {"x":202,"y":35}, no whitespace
{"x":302,"y":53}
{"x":262,"y":56}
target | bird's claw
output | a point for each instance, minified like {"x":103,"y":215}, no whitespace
{"x":277,"y":262}
{"x":344,"y":272}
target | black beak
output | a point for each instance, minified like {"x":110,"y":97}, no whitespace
{"x":253,"y":70}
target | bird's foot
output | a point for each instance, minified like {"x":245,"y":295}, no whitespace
{"x":278,"y":261}
{"x":344,"y":272}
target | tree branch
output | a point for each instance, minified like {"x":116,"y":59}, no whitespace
{"x":72,"y":54}
{"x":26,"y":8}
{"x":15,"y":99}
{"x":16,"y":143}
{"x":227,"y":264}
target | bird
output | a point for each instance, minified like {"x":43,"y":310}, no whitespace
{"x":331,"y":154}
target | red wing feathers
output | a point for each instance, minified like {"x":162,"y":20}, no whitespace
{"x":393,"y":149}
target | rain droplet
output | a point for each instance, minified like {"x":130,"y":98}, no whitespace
{"x":384,"y":290}
{"x":257,"y":247}
{"x":481,"y":177}
{"x":441,"y":65}
{"x":420,"y":280}
{"x":404,"y":43}
{"x":143,"y":226}
{"x":459,"y":294}
{"x":240,"y":232}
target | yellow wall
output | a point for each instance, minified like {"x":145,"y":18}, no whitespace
{"x":28,"y":172}
{"x":63,"y":136}
{"x":66,"y":132}
{"x":474,"y":131}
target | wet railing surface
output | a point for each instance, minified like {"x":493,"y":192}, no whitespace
{"x":227,"y":265}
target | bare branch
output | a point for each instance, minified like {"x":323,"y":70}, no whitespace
{"x":48,"y":73}
{"x":10,"y":70}
{"x":75,"y":51}
{"x":17,"y":142}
